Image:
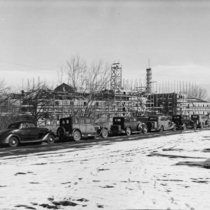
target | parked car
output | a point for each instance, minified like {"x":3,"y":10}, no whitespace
{"x":77,"y":127}
{"x":183,"y":122}
{"x":25,"y":132}
{"x":143,"y":119}
{"x":127,"y":125}
{"x":105,"y":122}
{"x":201,"y":120}
{"x":160,"y":123}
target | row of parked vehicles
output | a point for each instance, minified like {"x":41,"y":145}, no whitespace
{"x":76,"y":128}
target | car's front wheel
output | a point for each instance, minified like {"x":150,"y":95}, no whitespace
{"x":61,"y":133}
{"x":104,"y":133}
{"x":128,"y":131}
{"x":13,"y":141}
{"x":50,"y":139}
{"x":77,"y":135}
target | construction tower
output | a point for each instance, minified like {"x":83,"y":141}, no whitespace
{"x":116,"y":76}
{"x":149,"y":78}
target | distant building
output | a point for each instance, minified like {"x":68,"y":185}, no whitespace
{"x":176,"y":103}
{"x":64,"y":88}
{"x":197,"y":106}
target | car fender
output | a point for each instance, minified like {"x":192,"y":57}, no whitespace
{"x":171,"y":125}
{"x":75,"y":129}
{"x":101,"y":128}
{"x":45,"y":137}
{"x":158,"y":127}
{"x":6,"y":139}
{"x":143,"y":125}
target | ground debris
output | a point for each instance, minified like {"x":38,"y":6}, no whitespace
{"x":64,"y":203}
{"x":82,"y":200}
{"x":207,"y":163}
{"x":100,"y":206}
{"x":48,"y":206}
{"x":206,"y":150}
{"x":172,"y":156}
{"x":20,"y":173}
{"x":107,"y":186}
{"x":102,"y":169}
{"x":25,"y":206}
{"x":191,"y":163}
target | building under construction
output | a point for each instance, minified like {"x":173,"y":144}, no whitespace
{"x":120,"y":100}
{"x":151,"y":98}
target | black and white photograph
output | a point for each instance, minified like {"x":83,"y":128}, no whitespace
{"x":104,"y":104}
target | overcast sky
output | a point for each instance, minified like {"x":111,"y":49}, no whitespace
{"x":37,"y":37}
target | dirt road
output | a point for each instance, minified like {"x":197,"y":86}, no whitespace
{"x":122,"y":173}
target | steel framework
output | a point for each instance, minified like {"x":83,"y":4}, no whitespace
{"x":149,"y":80}
{"x":116,"y":77}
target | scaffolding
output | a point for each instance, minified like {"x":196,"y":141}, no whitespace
{"x":121,"y":103}
{"x":116,"y":76}
{"x":149,"y":80}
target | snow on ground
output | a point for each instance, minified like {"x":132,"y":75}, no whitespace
{"x":154,"y":173}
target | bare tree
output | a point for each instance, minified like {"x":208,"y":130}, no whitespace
{"x":76,"y":72}
{"x":9,"y":106}
{"x":4,"y":91}
{"x":37,"y":101}
{"x":197,"y":92}
{"x":87,"y":81}
{"x":8,"y":103}
{"x":61,"y":74}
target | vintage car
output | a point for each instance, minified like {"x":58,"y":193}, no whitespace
{"x":25,"y":132}
{"x":105,"y":122}
{"x":78,"y":127}
{"x":143,"y":119}
{"x":201,"y":120}
{"x":127,"y":125}
{"x":160,"y":123}
{"x":183,"y":122}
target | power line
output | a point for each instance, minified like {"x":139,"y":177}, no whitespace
{"x":24,"y":65}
